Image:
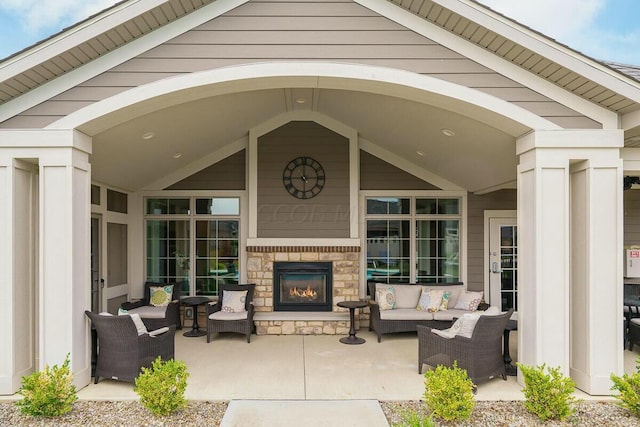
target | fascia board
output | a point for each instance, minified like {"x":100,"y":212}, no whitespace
{"x":116,"y":57}
{"x":454,"y":42}
{"x":75,"y":36}
{"x":544,"y":46}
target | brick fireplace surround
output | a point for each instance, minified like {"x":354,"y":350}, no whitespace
{"x":346,"y":273}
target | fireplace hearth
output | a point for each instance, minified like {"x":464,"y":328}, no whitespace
{"x":302,"y":286}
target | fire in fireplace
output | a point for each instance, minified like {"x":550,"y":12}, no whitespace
{"x":302,"y":286}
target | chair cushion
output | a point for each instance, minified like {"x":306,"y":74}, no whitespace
{"x":465,"y":325}
{"x":449,"y":315}
{"x":149,"y":312}
{"x":234,"y":301}
{"x":386,"y":297}
{"x":160,"y":296}
{"x":159,"y":331}
{"x":138,"y":322}
{"x":469,"y":300}
{"x":405,"y":314}
{"x":635,"y":321}
{"x":225,"y":315}
{"x":430,"y":300}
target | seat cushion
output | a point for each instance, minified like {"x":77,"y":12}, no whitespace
{"x":405,"y":314}
{"x":224,"y":315}
{"x":150,"y":312}
{"x":449,"y":315}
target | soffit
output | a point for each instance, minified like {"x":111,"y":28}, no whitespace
{"x":94,"y":47}
{"x":524,"y":57}
{"x":166,"y":12}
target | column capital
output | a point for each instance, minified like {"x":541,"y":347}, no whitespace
{"x":570,"y":139}
{"x":47,"y":138}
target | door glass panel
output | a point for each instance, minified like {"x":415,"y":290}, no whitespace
{"x":168,"y":252}
{"x":117,"y":271}
{"x":508,"y":265}
{"x":437,"y":251}
{"x":388,"y":251}
{"x":216,"y":255}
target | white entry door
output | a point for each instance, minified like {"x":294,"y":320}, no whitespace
{"x":503,"y":262}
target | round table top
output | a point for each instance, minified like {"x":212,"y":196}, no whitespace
{"x":352,"y":304}
{"x":195,"y":300}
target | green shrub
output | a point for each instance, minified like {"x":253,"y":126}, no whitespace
{"x":161,"y":387}
{"x":549,"y":396}
{"x":49,"y":392}
{"x":449,"y":393}
{"x":414,"y":419}
{"x":629,"y":388}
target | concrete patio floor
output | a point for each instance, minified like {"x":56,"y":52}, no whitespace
{"x":309,"y":367}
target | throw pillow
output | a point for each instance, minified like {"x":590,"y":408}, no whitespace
{"x":160,"y":296}
{"x":430,"y":300}
{"x":445,"y":301}
{"x":386,"y":298}
{"x":234,"y":301}
{"x":469,"y":301}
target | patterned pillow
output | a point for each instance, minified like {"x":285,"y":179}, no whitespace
{"x":430,"y":300}
{"x":445,"y":301}
{"x":160,"y":296}
{"x":234,"y":301}
{"x":386,"y":298}
{"x":469,"y":301}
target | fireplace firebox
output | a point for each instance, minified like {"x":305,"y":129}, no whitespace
{"x":302,"y":286}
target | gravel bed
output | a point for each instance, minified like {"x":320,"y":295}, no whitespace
{"x":514,"y":414}
{"x":205,"y":413}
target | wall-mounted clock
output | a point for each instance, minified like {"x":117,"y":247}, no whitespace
{"x":303,"y":177}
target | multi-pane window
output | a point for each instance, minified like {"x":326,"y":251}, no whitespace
{"x":187,"y":246}
{"x":430,"y":254}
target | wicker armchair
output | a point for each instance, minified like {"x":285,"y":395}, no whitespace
{"x":220,"y":321}
{"x":481,"y":355}
{"x":149,"y":314}
{"x":122,"y":352}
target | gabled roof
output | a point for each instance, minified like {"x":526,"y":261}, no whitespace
{"x":609,"y":85}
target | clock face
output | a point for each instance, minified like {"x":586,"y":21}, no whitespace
{"x":303,"y":178}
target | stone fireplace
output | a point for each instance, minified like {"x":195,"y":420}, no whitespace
{"x":302,"y":286}
{"x":344,"y":262}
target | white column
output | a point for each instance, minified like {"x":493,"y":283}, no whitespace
{"x":18,"y":181}
{"x":44,"y":253}
{"x":570,"y":244}
{"x":64,"y":248}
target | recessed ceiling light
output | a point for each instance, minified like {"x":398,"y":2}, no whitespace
{"x":148,"y":135}
{"x":419,"y":153}
{"x":447,"y":132}
{"x":177,"y":155}
{"x":300,"y":101}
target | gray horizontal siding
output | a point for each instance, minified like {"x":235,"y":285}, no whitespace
{"x":260,"y":31}
{"x":283,"y":216}
{"x":227,"y":174}
{"x":498,"y":200}
{"x":631,"y":217}
{"x":376,"y":174}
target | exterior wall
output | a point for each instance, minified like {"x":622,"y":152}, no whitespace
{"x":283,"y":216}
{"x":227,"y":174}
{"x":376,"y":174}
{"x":498,"y":200}
{"x":260,"y":31}
{"x":631,"y":217}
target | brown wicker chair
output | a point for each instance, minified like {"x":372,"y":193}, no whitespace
{"x":122,"y":352}
{"x":142,"y":307}
{"x":241,"y":323}
{"x":481,"y":355}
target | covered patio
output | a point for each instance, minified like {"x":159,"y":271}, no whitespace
{"x":438,"y":157}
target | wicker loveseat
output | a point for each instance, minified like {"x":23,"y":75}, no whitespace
{"x":405,"y":317}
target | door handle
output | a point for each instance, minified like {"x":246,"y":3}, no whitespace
{"x":495,"y":268}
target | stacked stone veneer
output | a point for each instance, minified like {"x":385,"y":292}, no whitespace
{"x":346,"y":273}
